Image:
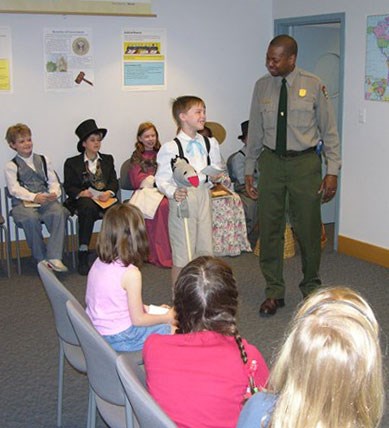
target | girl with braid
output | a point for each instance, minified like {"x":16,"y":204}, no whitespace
{"x":202,"y":374}
{"x":328,"y":373}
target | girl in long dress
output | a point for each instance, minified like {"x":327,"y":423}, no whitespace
{"x":141,"y":174}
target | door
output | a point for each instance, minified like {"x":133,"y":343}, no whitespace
{"x":321,"y":51}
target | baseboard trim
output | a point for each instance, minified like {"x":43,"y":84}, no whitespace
{"x":350,"y":247}
{"x":363,"y":250}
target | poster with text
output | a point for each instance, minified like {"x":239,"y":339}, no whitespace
{"x":5,"y":60}
{"x":144,"y":59}
{"x":68,"y":59}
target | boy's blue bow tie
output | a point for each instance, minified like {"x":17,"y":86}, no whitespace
{"x":192,"y":144}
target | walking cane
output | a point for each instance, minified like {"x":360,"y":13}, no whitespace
{"x":187,"y":238}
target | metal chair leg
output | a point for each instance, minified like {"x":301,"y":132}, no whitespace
{"x":17,"y":244}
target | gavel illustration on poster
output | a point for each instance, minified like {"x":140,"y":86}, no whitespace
{"x":81,"y":77}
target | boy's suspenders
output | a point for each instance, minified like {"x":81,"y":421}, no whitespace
{"x":44,"y":168}
{"x":207,"y":145}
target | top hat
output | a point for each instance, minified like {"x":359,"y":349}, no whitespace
{"x":245,"y":127}
{"x":86,"y":128}
{"x":217,"y":130}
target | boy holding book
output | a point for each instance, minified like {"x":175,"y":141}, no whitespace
{"x":91,"y":184}
{"x":34,"y":188}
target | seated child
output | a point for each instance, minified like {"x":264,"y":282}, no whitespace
{"x":114,"y":286}
{"x":194,"y":230}
{"x":35,"y":190}
{"x":88,"y":176}
{"x":141,"y":173}
{"x":229,"y":233}
{"x":328,"y":372}
{"x":202,"y":374}
{"x":235,"y":164}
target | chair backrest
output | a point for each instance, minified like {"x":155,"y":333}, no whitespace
{"x":2,"y":220}
{"x":124,"y":180}
{"x":100,"y":357}
{"x":8,"y":205}
{"x":147,"y":411}
{"x":58,"y":295}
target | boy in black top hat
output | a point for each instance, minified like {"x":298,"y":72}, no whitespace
{"x":88,"y":176}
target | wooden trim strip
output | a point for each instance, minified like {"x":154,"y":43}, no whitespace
{"x":364,"y":251}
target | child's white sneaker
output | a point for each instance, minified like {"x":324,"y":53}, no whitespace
{"x":57,"y":265}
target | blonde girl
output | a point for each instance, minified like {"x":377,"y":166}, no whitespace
{"x":328,"y":373}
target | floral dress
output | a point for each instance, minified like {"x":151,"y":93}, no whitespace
{"x":229,"y":230}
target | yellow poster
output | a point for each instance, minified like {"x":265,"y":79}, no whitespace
{"x":5,"y":80}
{"x":5,"y":60}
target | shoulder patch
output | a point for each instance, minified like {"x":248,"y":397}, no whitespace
{"x":324,"y":90}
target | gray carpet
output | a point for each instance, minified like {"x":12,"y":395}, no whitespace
{"x":29,"y":347}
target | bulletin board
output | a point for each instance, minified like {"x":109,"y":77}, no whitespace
{"x":78,"y":7}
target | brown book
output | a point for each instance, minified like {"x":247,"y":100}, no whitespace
{"x":220,"y":191}
{"x":31,"y":204}
{"x":106,"y":204}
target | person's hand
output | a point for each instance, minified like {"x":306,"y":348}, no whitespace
{"x":85,"y":194}
{"x":166,"y":306}
{"x":180,"y":194}
{"x":44,"y":198}
{"x":251,"y":191}
{"x":172,"y":316}
{"x":41,"y":198}
{"x":328,"y":187}
{"x":216,"y":178}
{"x":52,"y":197}
{"x":105,"y":196}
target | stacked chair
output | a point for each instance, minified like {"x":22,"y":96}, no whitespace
{"x":116,"y":380}
{"x":146,"y":410}
{"x":4,"y":241}
{"x":69,"y":345}
{"x":106,"y":392}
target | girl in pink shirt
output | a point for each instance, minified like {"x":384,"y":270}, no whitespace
{"x":202,"y":374}
{"x":114,"y":286}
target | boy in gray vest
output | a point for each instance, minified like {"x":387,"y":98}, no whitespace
{"x":35,"y":190}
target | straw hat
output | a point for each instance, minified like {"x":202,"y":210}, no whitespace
{"x":217,"y":130}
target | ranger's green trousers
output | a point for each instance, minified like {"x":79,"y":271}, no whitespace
{"x":296,"y":180}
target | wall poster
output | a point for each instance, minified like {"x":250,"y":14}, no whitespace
{"x":144,"y":59}
{"x":5,"y":60}
{"x":68,"y":59}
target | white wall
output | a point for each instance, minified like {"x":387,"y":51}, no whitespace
{"x":364,"y":198}
{"x":213,"y":51}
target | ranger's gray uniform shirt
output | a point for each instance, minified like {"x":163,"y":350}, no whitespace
{"x":310,"y":118}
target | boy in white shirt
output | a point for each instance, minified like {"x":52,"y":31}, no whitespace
{"x":35,"y":190}
{"x":190,"y":115}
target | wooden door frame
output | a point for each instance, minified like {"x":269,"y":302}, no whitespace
{"x":285,"y":26}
